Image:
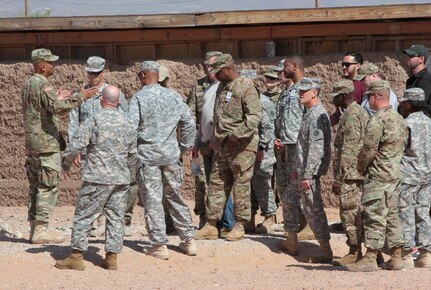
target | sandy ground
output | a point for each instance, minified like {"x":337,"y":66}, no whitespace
{"x":253,"y":263}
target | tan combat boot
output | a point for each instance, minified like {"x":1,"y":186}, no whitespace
{"x":352,"y":257}
{"x":42,"y":235}
{"x":157,"y":251}
{"x":208,"y":232}
{"x":267,"y":227}
{"x":325,"y":255}
{"x":237,"y":233}
{"x":424,"y":259}
{"x":250,"y":226}
{"x":367,"y":264}
{"x":407,"y":257}
{"x":110,"y":261}
{"x":306,"y":234}
{"x":396,"y":260}
{"x":75,"y":261}
{"x":189,"y":247}
{"x":290,"y":244}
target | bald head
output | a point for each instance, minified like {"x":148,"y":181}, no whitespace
{"x":110,"y":96}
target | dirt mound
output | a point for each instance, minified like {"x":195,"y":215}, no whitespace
{"x":70,"y":75}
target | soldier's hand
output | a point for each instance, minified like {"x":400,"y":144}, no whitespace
{"x":77,"y":161}
{"x":259,"y":155}
{"x":194,"y":153}
{"x":89,"y":92}
{"x":63,"y":94}
{"x":278,"y":144}
{"x":336,"y":188}
{"x":293,"y":176}
{"x":305,"y":184}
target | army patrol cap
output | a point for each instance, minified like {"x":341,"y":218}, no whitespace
{"x":378,"y":86}
{"x":416,"y":50}
{"x":220,"y":62}
{"x":43,"y":54}
{"x":280,"y":66}
{"x":150,"y":65}
{"x":343,"y":87}
{"x":163,"y":73}
{"x":413,"y":94}
{"x":209,"y":54}
{"x":365,"y":70}
{"x":307,"y":84}
{"x":95,"y":64}
{"x":271,"y":74}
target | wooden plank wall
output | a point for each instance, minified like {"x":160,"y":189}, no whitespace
{"x":125,"y":46}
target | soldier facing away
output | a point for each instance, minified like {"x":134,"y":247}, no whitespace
{"x":155,"y":113}
{"x":43,"y":141}
{"x":379,"y":159}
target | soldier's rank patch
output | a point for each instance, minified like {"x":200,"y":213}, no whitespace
{"x":47,"y":89}
{"x":316,"y":134}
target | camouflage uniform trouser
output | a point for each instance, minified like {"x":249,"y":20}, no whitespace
{"x":414,"y":205}
{"x":156,"y":182}
{"x":201,"y":180}
{"x":131,"y":196}
{"x":43,"y":173}
{"x":381,"y":215}
{"x":351,"y":211}
{"x":280,"y":172}
{"x":230,"y":173}
{"x":262,"y":194}
{"x":312,"y":207}
{"x":290,"y":199}
{"x":95,"y":199}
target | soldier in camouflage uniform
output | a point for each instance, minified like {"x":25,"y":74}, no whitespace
{"x":237,"y":115}
{"x":311,"y":161}
{"x":110,"y":144}
{"x":95,"y":68}
{"x":43,"y":142}
{"x":380,"y":157}
{"x":348,"y":181}
{"x":415,"y":187}
{"x":156,"y":112}
{"x":194,"y":102}
{"x":261,"y":188}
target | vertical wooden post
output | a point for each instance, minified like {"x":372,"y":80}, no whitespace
{"x":26,"y":8}
{"x":317,"y":3}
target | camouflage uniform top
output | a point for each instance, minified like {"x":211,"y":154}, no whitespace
{"x":289,"y":115}
{"x":384,"y":143}
{"x":89,"y":108}
{"x":194,"y":101}
{"x":274,"y":95}
{"x":156,"y":112}
{"x":313,"y":149}
{"x":110,"y":141}
{"x":40,"y":106}
{"x":348,"y":142}
{"x":237,"y":114}
{"x":266,"y":131}
{"x":416,"y":161}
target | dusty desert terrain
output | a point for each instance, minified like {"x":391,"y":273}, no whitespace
{"x":253,"y":263}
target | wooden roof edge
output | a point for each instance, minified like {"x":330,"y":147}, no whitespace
{"x":383,"y":12}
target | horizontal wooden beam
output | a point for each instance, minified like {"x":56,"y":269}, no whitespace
{"x":268,"y":32}
{"x":384,"y":12}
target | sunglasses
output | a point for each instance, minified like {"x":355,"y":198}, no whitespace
{"x":94,"y":74}
{"x":347,"y":64}
{"x":271,"y":78}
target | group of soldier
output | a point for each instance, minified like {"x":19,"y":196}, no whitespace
{"x":261,"y":141}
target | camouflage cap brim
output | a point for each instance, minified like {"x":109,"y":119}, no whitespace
{"x":359,"y":77}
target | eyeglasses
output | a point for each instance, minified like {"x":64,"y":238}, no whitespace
{"x":94,"y":74}
{"x":347,"y":64}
